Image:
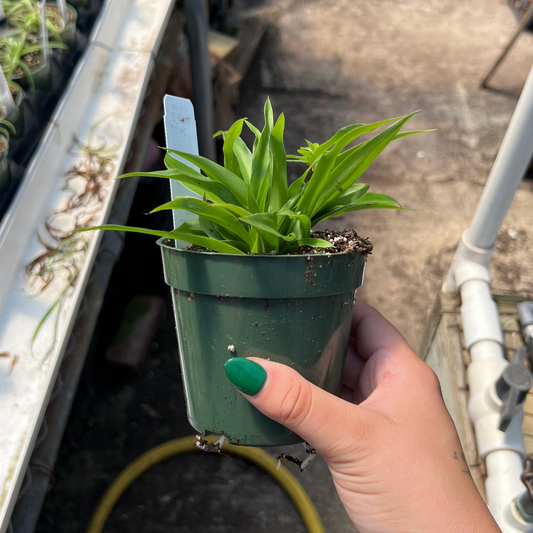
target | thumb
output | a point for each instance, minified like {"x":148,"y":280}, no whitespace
{"x":283,"y":395}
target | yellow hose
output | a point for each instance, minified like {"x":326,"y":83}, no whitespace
{"x":287,"y":481}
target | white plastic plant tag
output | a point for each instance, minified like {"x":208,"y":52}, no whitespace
{"x":180,"y":134}
{"x":44,"y":32}
{"x":62,"y":5}
{"x":7,"y":104}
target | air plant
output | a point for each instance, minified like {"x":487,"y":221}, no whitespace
{"x":247,"y":206}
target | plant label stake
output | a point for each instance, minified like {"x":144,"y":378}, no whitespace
{"x":7,"y":103}
{"x":62,"y":5}
{"x":180,"y":134}
{"x":44,"y":32}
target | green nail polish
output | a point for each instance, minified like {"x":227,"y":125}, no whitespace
{"x":246,"y":375}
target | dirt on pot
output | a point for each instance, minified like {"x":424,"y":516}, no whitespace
{"x":3,"y":147}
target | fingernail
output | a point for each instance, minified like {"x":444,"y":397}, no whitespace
{"x":246,"y":375}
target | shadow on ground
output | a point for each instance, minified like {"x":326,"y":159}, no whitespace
{"x":325,"y":63}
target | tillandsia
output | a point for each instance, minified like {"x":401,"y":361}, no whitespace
{"x":247,"y":206}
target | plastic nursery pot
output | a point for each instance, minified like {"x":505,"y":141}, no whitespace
{"x":69,"y":34}
{"x":16,"y":117}
{"x":42,"y":77}
{"x":291,"y":309}
{"x":4,"y":164}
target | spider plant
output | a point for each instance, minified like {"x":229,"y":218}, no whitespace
{"x":14,"y":45}
{"x":26,"y":15}
{"x":247,"y":206}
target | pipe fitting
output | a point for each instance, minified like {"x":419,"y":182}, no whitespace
{"x":471,"y":252}
{"x":490,"y":439}
{"x":476,"y":294}
{"x":470,"y":263}
{"x":513,"y":515}
{"x":484,"y":410}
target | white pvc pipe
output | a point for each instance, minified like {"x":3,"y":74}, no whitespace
{"x":507,"y":172}
{"x":503,"y":452}
{"x":504,"y":485}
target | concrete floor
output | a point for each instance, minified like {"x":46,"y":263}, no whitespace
{"x":325,"y":64}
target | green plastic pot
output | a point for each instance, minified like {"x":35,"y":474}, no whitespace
{"x":291,"y":309}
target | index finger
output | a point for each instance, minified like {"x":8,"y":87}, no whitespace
{"x":371,"y":331}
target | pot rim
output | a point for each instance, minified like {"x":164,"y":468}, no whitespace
{"x":70,"y":8}
{"x":35,"y":71}
{"x":262,"y":276}
{"x":163,"y":242}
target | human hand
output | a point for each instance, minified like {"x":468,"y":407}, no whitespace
{"x":389,"y":443}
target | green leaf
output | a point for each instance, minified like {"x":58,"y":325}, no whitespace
{"x":244,"y":158}
{"x":242,"y":246}
{"x":191,"y":226}
{"x":343,"y":137}
{"x":315,"y":243}
{"x":377,"y":198}
{"x":230,"y":160}
{"x":215,"y":231}
{"x":255,"y":131}
{"x":267,"y":222}
{"x":350,"y":170}
{"x":317,"y":150}
{"x":316,"y":183}
{"x":172,"y":163}
{"x":301,"y":225}
{"x":212,"y":212}
{"x":297,"y":184}
{"x":278,"y":193}
{"x":235,"y":209}
{"x":211,"y":244}
{"x":403,"y":134}
{"x":367,"y":201}
{"x":234,"y":183}
{"x":261,"y":179}
{"x":194,"y":182}
{"x":350,"y":196}
{"x":400,"y":135}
